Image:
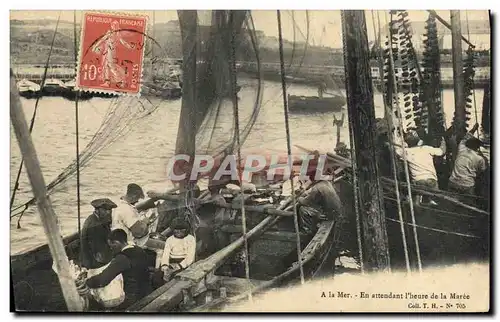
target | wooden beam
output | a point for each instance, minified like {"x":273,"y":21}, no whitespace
{"x":361,"y":116}
{"x":447,"y":25}
{"x":48,"y":217}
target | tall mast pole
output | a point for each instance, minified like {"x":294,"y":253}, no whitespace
{"x":361,"y":115}
{"x":458,"y":67}
{"x":186,"y":134}
{"x":47,"y":215}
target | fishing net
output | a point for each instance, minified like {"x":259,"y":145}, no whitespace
{"x":214,"y":118}
{"x":121,"y":116}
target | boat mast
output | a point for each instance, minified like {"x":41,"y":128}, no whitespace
{"x":186,"y":134}
{"x":47,"y":215}
{"x":361,"y":116}
{"x":458,"y":85}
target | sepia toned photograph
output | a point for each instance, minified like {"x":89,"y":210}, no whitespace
{"x":255,"y":161}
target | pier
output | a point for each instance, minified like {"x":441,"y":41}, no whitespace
{"x":271,"y":71}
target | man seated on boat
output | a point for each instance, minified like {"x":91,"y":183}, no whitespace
{"x":95,"y":249}
{"x":180,"y":249}
{"x":469,"y":163}
{"x":129,"y":260}
{"x":420,"y":159}
{"x":320,"y":202}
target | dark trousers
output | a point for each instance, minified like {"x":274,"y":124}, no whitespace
{"x":427,"y":183}
{"x":464,"y":194}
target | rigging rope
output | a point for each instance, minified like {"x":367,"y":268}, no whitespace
{"x":405,"y":160}
{"x":237,"y":132}
{"x":388,"y":118}
{"x":77,"y":137}
{"x":32,"y":123}
{"x":354,"y":169}
{"x":289,"y":147}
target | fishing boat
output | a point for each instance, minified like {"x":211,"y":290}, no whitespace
{"x":162,"y":88}
{"x":271,"y":240}
{"x":71,"y":92}
{"x":331,"y":102}
{"x":53,"y":87}
{"x":28,"y":89}
{"x":262,"y":225}
{"x":315,"y":104}
{"x":419,"y":234}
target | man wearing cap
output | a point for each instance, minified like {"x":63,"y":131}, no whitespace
{"x":95,"y":250}
{"x":469,"y":163}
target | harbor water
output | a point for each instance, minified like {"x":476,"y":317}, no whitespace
{"x":142,"y":155}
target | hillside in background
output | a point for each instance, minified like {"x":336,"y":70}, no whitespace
{"x":30,"y":44}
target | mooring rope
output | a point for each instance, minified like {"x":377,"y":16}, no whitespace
{"x":388,"y":118}
{"x":237,"y":132}
{"x":77,"y":137}
{"x":354,"y":168}
{"x":289,"y":147}
{"x":32,"y":123}
{"x":436,"y":230}
{"x":405,"y":159}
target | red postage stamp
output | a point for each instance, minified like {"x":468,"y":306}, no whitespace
{"x":111,"y":53}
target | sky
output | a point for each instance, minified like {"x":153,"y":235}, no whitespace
{"x":324,"y":25}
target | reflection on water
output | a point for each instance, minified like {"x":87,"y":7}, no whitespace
{"x":142,"y":155}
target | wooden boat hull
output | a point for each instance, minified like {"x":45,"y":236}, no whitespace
{"x":447,"y":233}
{"x":36,"y":287}
{"x":312,"y":104}
{"x":29,"y":94}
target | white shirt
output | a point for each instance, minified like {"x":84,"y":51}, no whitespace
{"x":420,"y":161}
{"x":179,"y":248}
{"x":124,"y":217}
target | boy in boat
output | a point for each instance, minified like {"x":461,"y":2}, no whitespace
{"x":129,"y":260}
{"x":95,"y":249}
{"x":180,"y":249}
{"x":469,"y":163}
{"x":421,"y":163}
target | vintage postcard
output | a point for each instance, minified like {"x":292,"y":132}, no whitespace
{"x":250,"y":161}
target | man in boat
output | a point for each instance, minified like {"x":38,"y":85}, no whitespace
{"x":127,"y":217}
{"x":130,"y":261}
{"x":95,"y":249}
{"x":321,"y":202}
{"x":420,"y":159}
{"x":469,"y":163}
{"x":180,"y":249}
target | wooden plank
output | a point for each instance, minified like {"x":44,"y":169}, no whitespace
{"x":47,"y":215}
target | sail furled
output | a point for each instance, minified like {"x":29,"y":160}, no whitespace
{"x":211,"y":42}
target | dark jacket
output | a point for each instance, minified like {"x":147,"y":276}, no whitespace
{"x":132,"y":263}
{"x":95,"y":250}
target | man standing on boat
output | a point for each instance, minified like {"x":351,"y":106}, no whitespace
{"x":420,"y":159}
{"x":95,"y":250}
{"x":127,"y":217}
{"x":130,"y":261}
{"x":469,"y":163}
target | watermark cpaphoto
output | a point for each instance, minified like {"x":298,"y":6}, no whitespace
{"x":273,"y":167}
